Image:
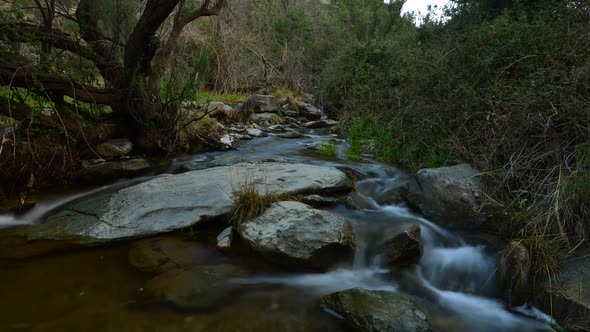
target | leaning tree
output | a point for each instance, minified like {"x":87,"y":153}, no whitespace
{"x":131,"y":54}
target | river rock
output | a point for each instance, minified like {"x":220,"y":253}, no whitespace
{"x":295,"y":233}
{"x":263,"y":104}
{"x":451,"y":195}
{"x":101,"y":171}
{"x":225,"y":238}
{"x":309,"y":111}
{"x":196,"y":288}
{"x":256,"y":132}
{"x":165,"y":253}
{"x":377,"y":311}
{"x":514,"y":270}
{"x":567,"y":299}
{"x":114,"y":148}
{"x":170,"y":203}
{"x":358,"y":201}
{"x":402,"y":248}
{"x":320,"y":124}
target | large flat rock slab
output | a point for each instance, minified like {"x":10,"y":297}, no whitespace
{"x":169,"y":203}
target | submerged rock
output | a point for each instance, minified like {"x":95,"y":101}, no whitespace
{"x":452,"y":195}
{"x":263,"y":104}
{"x":290,"y":135}
{"x":197,"y":288}
{"x":295,"y":233}
{"x":114,"y":148}
{"x":377,"y":311}
{"x":567,"y":299}
{"x":101,"y":171}
{"x":164,"y":253}
{"x":514,"y":271}
{"x":169,"y":203}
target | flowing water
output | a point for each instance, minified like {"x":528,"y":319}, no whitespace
{"x":97,"y":289}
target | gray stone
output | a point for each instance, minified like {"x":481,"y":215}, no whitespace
{"x":114,"y":148}
{"x":256,"y":132}
{"x":229,"y":141}
{"x":309,"y":111}
{"x":96,"y":172}
{"x":215,"y":106}
{"x":296,"y":234}
{"x":225,"y":238}
{"x":451,"y":195}
{"x":263,"y":104}
{"x":320,"y":124}
{"x":169,"y":203}
{"x":377,"y":311}
{"x":357,"y":201}
{"x":568,"y":298}
{"x":514,"y":271}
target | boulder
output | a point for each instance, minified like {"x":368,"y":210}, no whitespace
{"x":97,"y":171}
{"x":451,"y":195}
{"x":402,"y":247}
{"x":196,"y":288}
{"x":309,"y":111}
{"x":263,"y":104}
{"x":514,"y":271}
{"x":567,"y":299}
{"x":163,"y":253}
{"x":225,"y":238}
{"x":169,"y":203}
{"x":320,"y":124}
{"x":256,"y":132}
{"x":229,"y":141}
{"x":295,"y":233}
{"x":114,"y":148}
{"x":377,"y":311}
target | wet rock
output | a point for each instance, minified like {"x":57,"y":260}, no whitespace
{"x":309,"y":111}
{"x":114,"y":148}
{"x":320,"y":124}
{"x":169,"y":203}
{"x":295,"y":233}
{"x":567,"y":299}
{"x":256,"y":132}
{"x":377,"y":311}
{"x":225,"y":238}
{"x":357,"y":201}
{"x":291,"y":120}
{"x":291,"y":135}
{"x":100,"y":171}
{"x":319,"y":201}
{"x":197,"y":288}
{"x":452,"y":195}
{"x":279,"y":129}
{"x":402,"y":248}
{"x":514,"y":271}
{"x":164,"y":253}
{"x":263,"y":104}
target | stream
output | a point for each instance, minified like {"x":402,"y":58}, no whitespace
{"x":98,"y":290}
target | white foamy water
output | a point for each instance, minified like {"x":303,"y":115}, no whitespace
{"x":329,"y":282}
